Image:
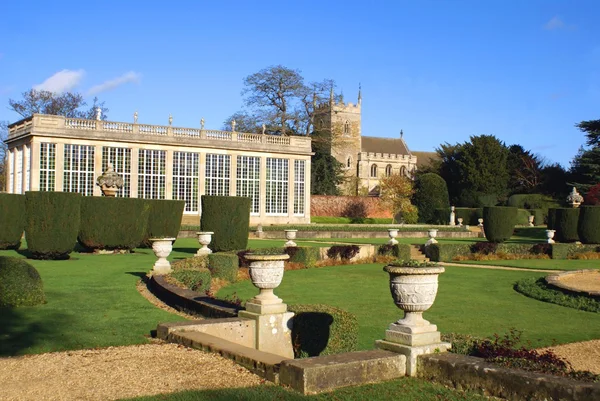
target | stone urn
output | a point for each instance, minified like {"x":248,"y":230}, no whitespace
{"x":413,"y":286}
{"x":290,"y":236}
{"x":204,"y":238}
{"x":392,"y":233}
{"x":110,"y":181}
{"x":432,"y":232}
{"x":550,"y":236}
{"x":530,"y":220}
{"x":460,"y":220}
{"x":480,"y":221}
{"x":574,"y":199}
{"x":266,"y":273}
{"x":162,"y":248}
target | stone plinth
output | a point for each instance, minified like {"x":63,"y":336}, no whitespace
{"x":273,"y":331}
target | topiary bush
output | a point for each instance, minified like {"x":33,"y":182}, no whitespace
{"x":308,"y":256}
{"x":224,"y":265}
{"x":588,"y":226}
{"x":12,"y":220}
{"x":20,"y":283}
{"x":343,"y":252}
{"x":229,"y":218}
{"x":164,"y":219}
{"x":522,"y":217}
{"x":538,"y":216}
{"x":196,"y":280}
{"x":398,"y":251}
{"x":431,"y":193}
{"x":113,"y":223}
{"x":52,"y":223}
{"x":446,"y":252}
{"x":565,"y":224}
{"x":322,"y":330}
{"x":551,"y":218}
{"x":499,"y":222}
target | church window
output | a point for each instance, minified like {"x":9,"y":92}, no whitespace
{"x":403,"y":171}
{"x":388,"y":170}
{"x":346,"y":128}
{"x":374,"y":170}
{"x":349,"y":162}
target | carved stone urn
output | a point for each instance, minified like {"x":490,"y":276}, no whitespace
{"x":550,"y":236}
{"x":266,"y":273}
{"x":460,"y":221}
{"x":204,"y":238}
{"x":574,"y":199}
{"x":392,"y":233}
{"x":110,"y":181}
{"x":414,"y":289}
{"x":162,"y":248}
{"x":290,"y":236}
{"x":432,"y":232}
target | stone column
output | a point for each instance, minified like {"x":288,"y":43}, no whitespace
{"x":169,"y":174}
{"x":34,"y":180}
{"x":97,"y":169}
{"x":201,"y":180}
{"x":307,"y":190}
{"x":263,"y":188}
{"x":59,"y":167}
{"x":134,"y":182}
{"x":232,"y":175}
{"x":291,"y":176}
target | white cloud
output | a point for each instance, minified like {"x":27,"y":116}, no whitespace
{"x":554,"y":23}
{"x":62,"y":81}
{"x":113,"y":83}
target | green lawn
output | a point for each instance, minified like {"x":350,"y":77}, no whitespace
{"x":545,"y":264}
{"x":473,"y":301}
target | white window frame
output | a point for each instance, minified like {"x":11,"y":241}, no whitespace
{"x":248,"y":181}
{"x":47,"y":166}
{"x":120,"y":158}
{"x":217,"y":175}
{"x":299,"y":187}
{"x":28,"y":168}
{"x":78,"y":172}
{"x":185,"y":179}
{"x":152,"y":178}
{"x":11,"y":171}
{"x":276,"y":199}
{"x":19,"y":170}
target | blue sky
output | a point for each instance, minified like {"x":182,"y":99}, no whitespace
{"x":525,"y":71}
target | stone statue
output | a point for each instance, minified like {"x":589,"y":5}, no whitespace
{"x":135,"y":117}
{"x":264,"y":129}
{"x":452,"y":216}
{"x":574,"y":199}
{"x":233,"y":124}
{"x":170,"y":119}
{"x":202,"y":123}
{"x":98,"y":113}
{"x":110,"y":181}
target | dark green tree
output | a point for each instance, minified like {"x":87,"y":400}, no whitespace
{"x":326,"y":174}
{"x":3,"y":147}
{"x":431,"y":192}
{"x":585,"y":167}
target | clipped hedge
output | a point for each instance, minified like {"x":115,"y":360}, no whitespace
{"x":12,"y":220}
{"x":20,"y":283}
{"x":308,"y":256}
{"x":322,"y":330}
{"x":196,"y":280}
{"x":530,"y":201}
{"x":52,"y":223}
{"x":343,"y":252}
{"x":589,"y":224}
{"x":446,"y":252}
{"x":224,"y":265}
{"x":229,"y":218}
{"x":565,"y":224}
{"x":537,"y":288}
{"x":499,"y":222}
{"x":113,"y":223}
{"x":559,"y":251}
{"x":523,"y":217}
{"x":538,"y":216}
{"x":551,"y":219}
{"x":164,"y":219}
{"x":431,"y":193}
{"x":398,"y":251}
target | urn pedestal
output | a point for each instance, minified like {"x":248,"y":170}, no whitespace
{"x":290,"y":236}
{"x":204,"y":238}
{"x":413,"y":290}
{"x":392,"y":233}
{"x":432,"y":234}
{"x":162,"y":248}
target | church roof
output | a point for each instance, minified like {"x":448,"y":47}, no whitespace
{"x":394,"y":146}
{"x":425,"y":158}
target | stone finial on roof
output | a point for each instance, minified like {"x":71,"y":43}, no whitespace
{"x":170,"y":119}
{"x":233,"y":124}
{"x":98,"y":113}
{"x":401,"y":134}
{"x":135,"y":117}
{"x":359,"y":94}
{"x":202,"y":123}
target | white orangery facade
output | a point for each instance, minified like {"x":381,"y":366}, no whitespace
{"x":54,"y":153}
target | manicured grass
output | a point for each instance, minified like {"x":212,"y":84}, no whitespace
{"x":92,"y":302}
{"x":405,"y":389}
{"x":544,"y":264}
{"x":473,"y":301}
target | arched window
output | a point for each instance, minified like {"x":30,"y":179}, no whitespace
{"x":374,"y":170}
{"x":349,"y":162}
{"x":388,"y":170}
{"x":346,"y":128}
{"x":403,"y":171}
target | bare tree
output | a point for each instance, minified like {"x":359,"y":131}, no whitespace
{"x":66,"y":104}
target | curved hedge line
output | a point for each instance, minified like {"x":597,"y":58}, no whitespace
{"x":112,"y":223}
{"x":323,"y":330}
{"x":537,"y":288}
{"x":12,"y":220}
{"x":499,"y":222}
{"x":565,"y":224}
{"x":589,"y":224}
{"x":52,"y":223}
{"x":20,"y":283}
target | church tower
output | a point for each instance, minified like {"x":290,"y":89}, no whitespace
{"x":341,"y":123}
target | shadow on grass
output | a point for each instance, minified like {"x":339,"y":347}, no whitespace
{"x":186,"y":250}
{"x":533,"y":233}
{"x":20,"y":332}
{"x":141,"y":275}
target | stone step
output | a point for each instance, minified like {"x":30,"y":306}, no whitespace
{"x":416,"y":254}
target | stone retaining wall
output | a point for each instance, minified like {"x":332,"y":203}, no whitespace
{"x":348,"y":206}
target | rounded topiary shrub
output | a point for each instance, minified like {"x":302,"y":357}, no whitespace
{"x":20,"y":283}
{"x":322,"y":330}
{"x":589,"y":224}
{"x":499,"y":222}
{"x":431,"y":193}
{"x":112,"y":223}
{"x":565,"y":224}
{"x":12,"y":220}
{"x":52,"y":223}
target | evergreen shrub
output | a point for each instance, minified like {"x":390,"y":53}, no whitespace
{"x":12,"y":220}
{"x":164,"y":219}
{"x":431,"y":193}
{"x":523,"y":217}
{"x":398,"y":251}
{"x":559,"y":251}
{"x":52,"y":223}
{"x":551,"y":218}
{"x":539,"y":215}
{"x":322,"y":330}
{"x":499,"y":222}
{"x":224,"y":265}
{"x":470,"y":215}
{"x":530,"y":201}
{"x":229,"y":218}
{"x":589,"y":224}
{"x":195,"y":279}
{"x":112,"y":223}
{"x":565,"y":224}
{"x":343,"y":252}
{"x":446,"y":252}
{"x":308,"y":256}
{"x":20,"y":283}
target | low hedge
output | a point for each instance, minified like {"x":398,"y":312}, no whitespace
{"x":588,"y":227}
{"x":20,"y":283}
{"x":499,"y":222}
{"x":308,"y":256}
{"x":352,"y":228}
{"x":343,"y":252}
{"x":523,"y":217}
{"x":194,"y":279}
{"x":537,"y":288}
{"x":322,"y":330}
{"x":52,"y":223}
{"x":12,"y":220}
{"x":446,"y":252}
{"x":398,"y":251}
{"x":112,"y":223}
{"x":164,"y":219}
{"x":539,"y":215}
{"x":228,"y":217}
{"x":224,"y":265}
{"x":565,"y":224}
{"x":559,"y":251}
